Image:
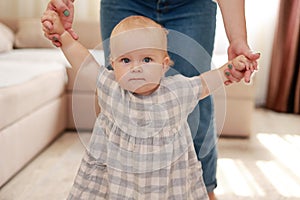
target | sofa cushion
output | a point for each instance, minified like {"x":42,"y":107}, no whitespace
{"x":6,"y":38}
{"x":30,"y":35}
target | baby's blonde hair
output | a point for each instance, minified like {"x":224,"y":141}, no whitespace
{"x":137,"y":22}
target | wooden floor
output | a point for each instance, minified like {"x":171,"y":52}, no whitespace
{"x":265,"y":166}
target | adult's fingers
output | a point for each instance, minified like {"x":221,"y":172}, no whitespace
{"x":255,"y":65}
{"x":230,"y":76}
{"x":58,"y":6}
{"x":73,"y":34}
{"x":228,"y":82}
{"x":54,"y":38}
{"x":252,"y":55}
{"x":235,"y":73}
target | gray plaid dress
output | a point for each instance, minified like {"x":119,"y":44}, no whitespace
{"x":141,"y":146}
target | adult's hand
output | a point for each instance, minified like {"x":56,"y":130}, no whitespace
{"x":233,"y":13}
{"x":240,"y":47}
{"x":65,"y":11}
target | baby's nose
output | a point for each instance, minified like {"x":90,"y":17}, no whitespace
{"x":136,"y":68}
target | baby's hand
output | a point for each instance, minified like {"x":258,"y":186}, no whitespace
{"x":57,"y":27}
{"x":239,"y":68}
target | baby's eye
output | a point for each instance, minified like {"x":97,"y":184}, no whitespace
{"x":147,"y":59}
{"x":125,"y":60}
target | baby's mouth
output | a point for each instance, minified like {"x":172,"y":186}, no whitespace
{"x":137,"y":79}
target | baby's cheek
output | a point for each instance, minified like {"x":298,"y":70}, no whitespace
{"x":118,"y":75}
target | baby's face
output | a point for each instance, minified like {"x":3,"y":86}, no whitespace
{"x":140,"y":71}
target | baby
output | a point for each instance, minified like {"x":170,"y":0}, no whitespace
{"x":141,"y":146}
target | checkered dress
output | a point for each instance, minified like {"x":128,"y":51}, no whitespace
{"x":141,"y":146}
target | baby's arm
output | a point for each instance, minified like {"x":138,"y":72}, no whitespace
{"x":233,"y":71}
{"x":76,"y":53}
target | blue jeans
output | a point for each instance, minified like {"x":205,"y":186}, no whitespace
{"x":191,"y":53}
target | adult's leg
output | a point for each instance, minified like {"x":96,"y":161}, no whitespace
{"x":196,"y":19}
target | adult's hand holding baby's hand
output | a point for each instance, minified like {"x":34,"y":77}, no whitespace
{"x":240,"y":47}
{"x":65,"y":11}
{"x":57,"y":26}
{"x":239,"y":68}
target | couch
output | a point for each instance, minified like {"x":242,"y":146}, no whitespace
{"x":38,"y":99}
{"x":36,"y":87}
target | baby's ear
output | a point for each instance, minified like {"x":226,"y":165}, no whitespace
{"x":166,"y":64}
{"x":112,"y":63}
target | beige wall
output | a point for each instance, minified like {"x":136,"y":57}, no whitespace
{"x":261,"y":23}
{"x":85,"y":9}
{"x":261,"y":19}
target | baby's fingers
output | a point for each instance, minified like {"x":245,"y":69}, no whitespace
{"x":48,"y":25}
{"x":47,"y":16}
{"x":47,"y":22}
{"x":241,"y":63}
{"x":247,"y":76}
